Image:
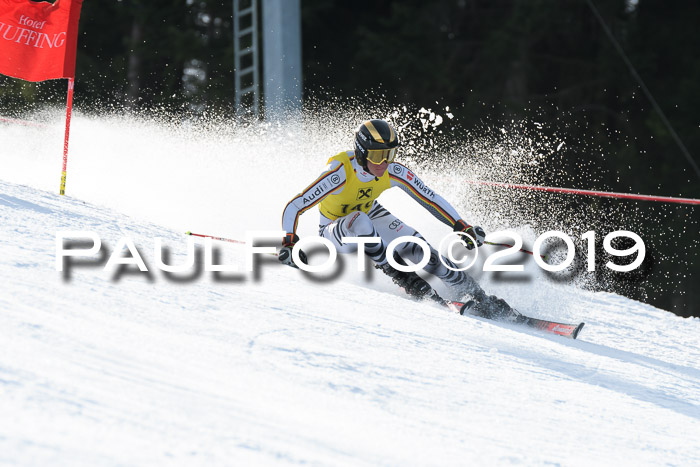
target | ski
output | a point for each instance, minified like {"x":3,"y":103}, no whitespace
{"x":570,"y":331}
{"x":567,"y":330}
{"x":562,"y":329}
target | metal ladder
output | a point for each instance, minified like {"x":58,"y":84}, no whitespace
{"x":245,"y":57}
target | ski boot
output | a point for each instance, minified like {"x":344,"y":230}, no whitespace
{"x":491,"y":307}
{"x":412,"y":283}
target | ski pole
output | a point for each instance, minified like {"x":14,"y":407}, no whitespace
{"x":223,"y":239}
{"x":230,"y":240}
{"x":544,"y":257}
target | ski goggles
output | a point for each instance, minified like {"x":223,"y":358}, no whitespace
{"x":377,"y":156}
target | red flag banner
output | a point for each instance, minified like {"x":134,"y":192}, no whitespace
{"x":38,"y":40}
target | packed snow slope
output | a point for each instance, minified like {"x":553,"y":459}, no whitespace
{"x":123,"y":367}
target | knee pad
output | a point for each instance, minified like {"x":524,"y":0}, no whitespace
{"x":360,"y":225}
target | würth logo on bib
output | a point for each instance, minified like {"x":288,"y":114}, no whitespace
{"x":364,"y":193}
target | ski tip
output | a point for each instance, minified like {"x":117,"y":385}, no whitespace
{"x":574,"y":334}
{"x":188,"y":233}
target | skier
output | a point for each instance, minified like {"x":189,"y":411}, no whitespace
{"x":346,"y":193}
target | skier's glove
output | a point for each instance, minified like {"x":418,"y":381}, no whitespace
{"x":474,"y":231}
{"x":285,"y":254}
{"x":290,"y":240}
